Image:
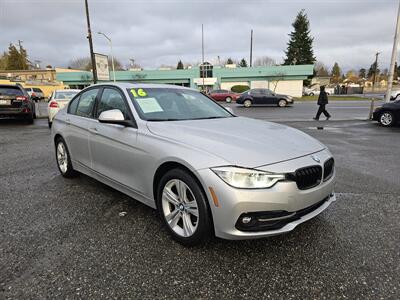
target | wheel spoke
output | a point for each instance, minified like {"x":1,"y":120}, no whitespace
{"x":191,"y":208}
{"x":187,"y":225}
{"x":170,"y":197}
{"x":173,"y":218}
{"x":181,"y":187}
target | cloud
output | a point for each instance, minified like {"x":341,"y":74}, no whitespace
{"x":162,"y":32}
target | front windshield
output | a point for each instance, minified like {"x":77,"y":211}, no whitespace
{"x":67,"y":95}
{"x":170,"y":104}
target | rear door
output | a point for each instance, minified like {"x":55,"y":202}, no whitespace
{"x":269,"y":97}
{"x":114,"y":147}
{"x":80,"y":117}
{"x":257,"y":96}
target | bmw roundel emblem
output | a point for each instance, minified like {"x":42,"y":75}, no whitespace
{"x":315,"y":158}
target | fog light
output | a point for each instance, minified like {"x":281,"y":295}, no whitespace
{"x":246,"y":220}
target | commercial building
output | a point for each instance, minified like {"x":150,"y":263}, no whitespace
{"x":281,"y":79}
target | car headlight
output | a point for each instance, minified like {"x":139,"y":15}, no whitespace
{"x":247,"y":178}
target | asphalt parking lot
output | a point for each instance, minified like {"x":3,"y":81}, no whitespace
{"x":65,"y":238}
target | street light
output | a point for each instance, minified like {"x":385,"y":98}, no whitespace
{"x":112,"y":56}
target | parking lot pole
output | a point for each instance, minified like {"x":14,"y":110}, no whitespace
{"x":394,"y":56}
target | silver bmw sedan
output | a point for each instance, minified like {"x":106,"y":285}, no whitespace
{"x":207,"y":171}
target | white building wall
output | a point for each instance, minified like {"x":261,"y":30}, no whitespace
{"x":259,"y":84}
{"x":288,"y":87}
{"x":229,"y":85}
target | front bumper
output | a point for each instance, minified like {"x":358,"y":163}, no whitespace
{"x":285,"y":196}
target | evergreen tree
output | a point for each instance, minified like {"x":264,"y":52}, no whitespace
{"x":180,"y":65}
{"x":362,"y":73}
{"x":243,"y":63}
{"x":336,"y":73}
{"x":229,"y":61}
{"x":300,"y":50}
{"x":371,"y":71}
{"x":16,"y":60}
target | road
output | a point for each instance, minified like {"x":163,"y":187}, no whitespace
{"x":301,"y":111}
{"x":65,"y":238}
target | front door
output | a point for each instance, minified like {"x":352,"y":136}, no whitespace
{"x":114,"y":147}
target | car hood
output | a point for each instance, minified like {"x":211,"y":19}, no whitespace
{"x":240,"y":141}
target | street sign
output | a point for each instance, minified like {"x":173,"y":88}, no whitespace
{"x":103,"y":72}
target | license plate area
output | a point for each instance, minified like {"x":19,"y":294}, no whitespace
{"x":5,"y":102}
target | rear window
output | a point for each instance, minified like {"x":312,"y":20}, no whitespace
{"x":28,"y":89}
{"x":37,"y":90}
{"x":11,"y":91}
{"x":65,"y":95}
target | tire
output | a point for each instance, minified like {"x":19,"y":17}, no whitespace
{"x":282,"y":103}
{"x":386,"y":119}
{"x":29,"y":119}
{"x":247,"y":103}
{"x":228,"y":99}
{"x":311,"y":94}
{"x":64,"y":161}
{"x":179,"y":216}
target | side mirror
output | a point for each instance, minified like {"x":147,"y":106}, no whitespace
{"x":113,"y":116}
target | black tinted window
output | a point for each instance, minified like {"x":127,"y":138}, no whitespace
{"x":37,"y":90}
{"x":86,"y":103}
{"x":112,"y":99}
{"x":11,"y":91}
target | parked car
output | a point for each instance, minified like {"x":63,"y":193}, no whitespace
{"x":315,"y":92}
{"x":35,"y":93}
{"x":57,"y":100}
{"x":223,"y":95}
{"x":388,"y":114}
{"x":263,"y":96}
{"x":394,"y":95}
{"x":16,"y":103}
{"x":204,"y":169}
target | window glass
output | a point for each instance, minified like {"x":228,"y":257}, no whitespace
{"x":10,"y":91}
{"x":37,"y":90}
{"x":86,"y":103}
{"x":169,"y":104}
{"x":64,"y":95}
{"x":112,"y":99}
{"x":73,"y":105}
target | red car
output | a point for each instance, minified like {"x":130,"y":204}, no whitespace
{"x":223,"y":95}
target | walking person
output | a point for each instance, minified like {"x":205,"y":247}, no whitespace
{"x":322,"y":102}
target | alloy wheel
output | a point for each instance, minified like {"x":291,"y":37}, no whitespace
{"x":282,"y":103}
{"x":386,"y":119}
{"x":62,"y":157}
{"x":247,"y":103}
{"x":228,"y":99}
{"x":180,"y":208}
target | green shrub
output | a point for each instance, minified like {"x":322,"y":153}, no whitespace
{"x":240,"y":88}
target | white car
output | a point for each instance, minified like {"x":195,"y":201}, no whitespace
{"x":315,"y":92}
{"x":57,"y":100}
{"x":395,"y":95}
{"x":35,"y":93}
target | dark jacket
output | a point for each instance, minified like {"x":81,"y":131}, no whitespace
{"x":323,"y":98}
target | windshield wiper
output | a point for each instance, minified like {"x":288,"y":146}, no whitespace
{"x":214,"y":117}
{"x":161,"y":120}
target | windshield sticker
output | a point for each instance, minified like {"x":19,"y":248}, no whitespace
{"x":149,"y":105}
{"x":138,"y":93}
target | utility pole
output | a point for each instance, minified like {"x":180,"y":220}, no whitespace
{"x":202,"y":54}
{"x":251,"y":48}
{"x":371,"y":110}
{"x":89,"y":37}
{"x":394,"y":57}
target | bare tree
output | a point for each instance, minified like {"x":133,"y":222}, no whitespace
{"x":321,"y":69}
{"x":85,"y":64}
{"x":278,"y":76}
{"x":264,"y":61}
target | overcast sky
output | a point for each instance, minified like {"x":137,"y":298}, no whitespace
{"x":162,"y":32}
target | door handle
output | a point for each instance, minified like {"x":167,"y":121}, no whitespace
{"x":93,"y":130}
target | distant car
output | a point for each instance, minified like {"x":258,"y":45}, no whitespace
{"x":35,"y":93}
{"x":315,"y":92}
{"x":263,"y":96}
{"x":57,"y":100}
{"x":388,"y":114}
{"x":223,"y":95}
{"x":16,"y":103}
